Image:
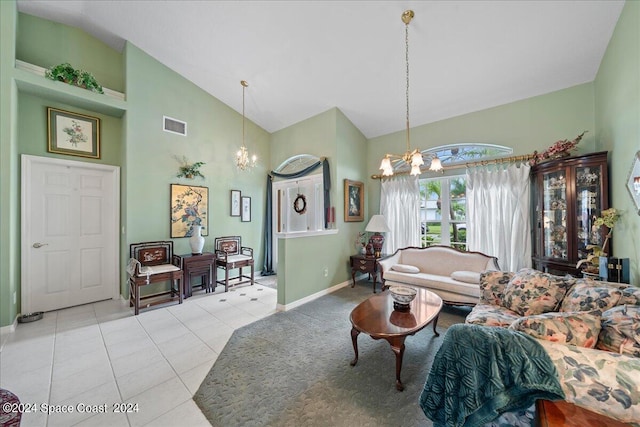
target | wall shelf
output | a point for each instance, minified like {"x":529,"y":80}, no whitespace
{"x":30,"y":79}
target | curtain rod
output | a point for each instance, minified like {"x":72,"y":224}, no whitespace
{"x":511,"y":159}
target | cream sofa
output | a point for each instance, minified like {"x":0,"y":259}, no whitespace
{"x":452,"y":274}
{"x":589,"y":329}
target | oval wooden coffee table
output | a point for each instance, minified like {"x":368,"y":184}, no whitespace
{"x":376,"y":317}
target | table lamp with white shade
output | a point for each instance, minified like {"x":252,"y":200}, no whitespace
{"x":377,"y":224}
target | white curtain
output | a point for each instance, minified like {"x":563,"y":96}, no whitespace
{"x":498,"y":214}
{"x":400,"y":205}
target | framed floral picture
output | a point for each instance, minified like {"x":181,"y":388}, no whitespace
{"x":235,"y":202}
{"x":73,"y":134}
{"x":246,"y":209}
{"x":189,"y":207}
{"x":353,"y":201}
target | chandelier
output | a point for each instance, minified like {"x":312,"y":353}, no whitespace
{"x":243,"y":160}
{"x":410,"y":157}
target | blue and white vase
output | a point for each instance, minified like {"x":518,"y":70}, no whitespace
{"x":196,"y":240}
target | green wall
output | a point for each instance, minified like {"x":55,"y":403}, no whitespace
{"x":617,"y":96}
{"x":214,"y":135}
{"x":302,"y":260}
{"x":527,"y":125}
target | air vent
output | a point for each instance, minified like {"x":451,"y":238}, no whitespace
{"x":174,"y":126}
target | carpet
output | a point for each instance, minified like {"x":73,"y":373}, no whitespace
{"x":292,"y":369}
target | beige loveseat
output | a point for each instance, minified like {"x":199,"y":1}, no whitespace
{"x":589,"y":329}
{"x":452,"y":274}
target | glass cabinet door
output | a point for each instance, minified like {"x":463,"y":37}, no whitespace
{"x":554,"y":215}
{"x":588,"y":207}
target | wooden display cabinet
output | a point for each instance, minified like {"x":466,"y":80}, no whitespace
{"x":568,"y":195}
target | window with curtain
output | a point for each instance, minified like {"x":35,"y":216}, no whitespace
{"x":443,"y":212}
{"x":298,"y":205}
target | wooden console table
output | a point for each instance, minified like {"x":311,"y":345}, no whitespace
{"x":563,"y":414}
{"x":364,"y":264}
{"x":196,"y":266}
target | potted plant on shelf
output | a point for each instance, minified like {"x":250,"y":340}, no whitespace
{"x":591,"y":263}
{"x":66,"y":73}
{"x":190,"y":171}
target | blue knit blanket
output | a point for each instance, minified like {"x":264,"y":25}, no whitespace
{"x":481,"y":372}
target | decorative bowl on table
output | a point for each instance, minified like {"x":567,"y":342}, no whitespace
{"x":402,"y":296}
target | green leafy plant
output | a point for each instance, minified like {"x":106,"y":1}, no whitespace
{"x":190,"y":170}
{"x":608,"y":218}
{"x":66,"y":73}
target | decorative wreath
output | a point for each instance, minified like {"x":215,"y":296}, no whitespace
{"x":300,"y":204}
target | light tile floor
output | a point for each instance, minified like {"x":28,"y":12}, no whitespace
{"x":101,"y":353}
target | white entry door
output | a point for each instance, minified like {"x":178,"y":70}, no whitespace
{"x":70,"y":222}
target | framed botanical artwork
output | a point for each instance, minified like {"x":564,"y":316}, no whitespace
{"x":633,"y":183}
{"x":235,"y":202}
{"x":189,"y":207}
{"x":73,"y":134}
{"x":353,"y":201}
{"x":246,"y":209}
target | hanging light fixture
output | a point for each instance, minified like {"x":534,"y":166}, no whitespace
{"x":410,"y":157}
{"x":243,"y":160}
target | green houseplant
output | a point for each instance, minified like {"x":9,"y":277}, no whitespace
{"x":66,"y":73}
{"x":609,"y":218}
{"x":190,"y":170}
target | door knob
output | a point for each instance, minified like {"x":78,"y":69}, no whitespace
{"x":39,"y":245}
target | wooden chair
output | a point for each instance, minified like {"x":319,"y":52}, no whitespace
{"x":150,"y":262}
{"x":230,"y":254}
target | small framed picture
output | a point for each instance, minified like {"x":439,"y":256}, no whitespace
{"x":73,"y":134}
{"x":353,"y":201}
{"x":246,"y":209}
{"x":235,"y":202}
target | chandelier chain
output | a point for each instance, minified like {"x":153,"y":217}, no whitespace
{"x":406,"y":56}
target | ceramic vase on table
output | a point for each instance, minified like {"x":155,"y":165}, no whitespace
{"x":196,"y":240}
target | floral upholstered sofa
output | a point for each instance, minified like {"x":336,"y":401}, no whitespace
{"x":589,"y":329}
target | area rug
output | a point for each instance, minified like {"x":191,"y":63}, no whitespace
{"x":292,"y":369}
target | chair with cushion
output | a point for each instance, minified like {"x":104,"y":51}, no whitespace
{"x":150,"y":262}
{"x":230,"y":254}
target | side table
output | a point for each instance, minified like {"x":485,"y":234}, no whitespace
{"x":364,"y":264}
{"x":196,"y":266}
{"x":561,"y":413}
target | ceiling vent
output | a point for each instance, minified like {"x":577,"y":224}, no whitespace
{"x":174,"y":126}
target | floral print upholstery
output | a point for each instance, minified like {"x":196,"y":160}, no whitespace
{"x":621,"y":330}
{"x":532,"y":292}
{"x":492,"y":284}
{"x":600,"y":381}
{"x":580,"y":329}
{"x":630,"y":295}
{"x":587,"y":295}
{"x":491,"y":315}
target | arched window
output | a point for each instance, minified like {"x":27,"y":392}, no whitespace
{"x":458,"y":154}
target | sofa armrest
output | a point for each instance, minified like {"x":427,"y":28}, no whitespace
{"x":387,"y":262}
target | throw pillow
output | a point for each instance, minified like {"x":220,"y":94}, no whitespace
{"x":405,"y":268}
{"x":589,"y":295}
{"x":630,"y":295}
{"x":492,"y":284}
{"x":621,"y":330}
{"x":466,"y":276}
{"x":579,"y":329}
{"x":532,"y":292}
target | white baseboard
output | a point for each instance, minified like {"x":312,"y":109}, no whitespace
{"x":5,"y":331}
{"x":298,"y":303}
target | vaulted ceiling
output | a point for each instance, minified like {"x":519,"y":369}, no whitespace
{"x":304,"y":57}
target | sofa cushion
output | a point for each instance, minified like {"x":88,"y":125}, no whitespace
{"x":621,"y":330}
{"x":466,"y":276}
{"x":491,"y":315}
{"x":405,"y":268}
{"x":532,"y":292}
{"x":434,"y":283}
{"x":587,"y":295}
{"x":630,"y":295}
{"x":579,"y":328}
{"x":492,"y":284}
{"x":444,"y":260}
